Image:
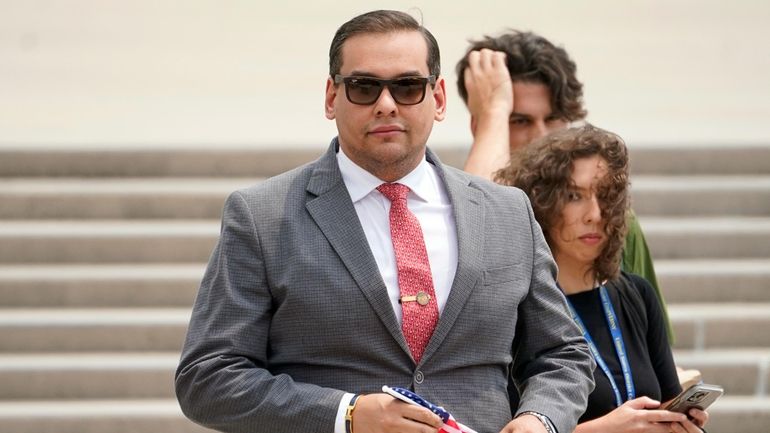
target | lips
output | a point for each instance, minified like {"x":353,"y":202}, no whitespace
{"x":386,"y":129}
{"x":591,"y":238}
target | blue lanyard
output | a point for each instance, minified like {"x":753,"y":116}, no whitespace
{"x":620,"y":347}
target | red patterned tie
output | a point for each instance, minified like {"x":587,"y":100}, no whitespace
{"x":418,"y":299}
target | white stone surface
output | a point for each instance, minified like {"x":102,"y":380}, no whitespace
{"x":204,"y":72}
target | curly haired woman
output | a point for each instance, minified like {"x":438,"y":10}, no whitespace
{"x":577,"y":181}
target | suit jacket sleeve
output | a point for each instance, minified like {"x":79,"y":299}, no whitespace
{"x":222,"y":381}
{"x":553,"y":368}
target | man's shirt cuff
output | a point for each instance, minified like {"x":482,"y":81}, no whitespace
{"x":339,"y":422}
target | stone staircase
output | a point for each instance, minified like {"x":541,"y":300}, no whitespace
{"x":101,"y":253}
{"x":706,"y":214}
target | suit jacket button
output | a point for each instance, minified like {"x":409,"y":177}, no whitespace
{"x":419,"y":377}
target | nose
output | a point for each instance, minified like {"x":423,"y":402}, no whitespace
{"x":539,"y":130}
{"x":385,"y":104}
{"x":594,"y":211}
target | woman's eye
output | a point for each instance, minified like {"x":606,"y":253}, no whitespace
{"x":573,"y":196}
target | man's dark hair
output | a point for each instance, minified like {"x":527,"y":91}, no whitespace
{"x":382,"y":21}
{"x":532,"y":58}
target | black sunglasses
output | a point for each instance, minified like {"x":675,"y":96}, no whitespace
{"x":366,"y":90}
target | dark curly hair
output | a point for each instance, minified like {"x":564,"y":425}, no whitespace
{"x":533,"y":58}
{"x":543,"y":170}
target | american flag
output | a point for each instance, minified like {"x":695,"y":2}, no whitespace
{"x":450,"y":424}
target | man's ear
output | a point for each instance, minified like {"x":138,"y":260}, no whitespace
{"x":439,"y":96}
{"x":330,"y":99}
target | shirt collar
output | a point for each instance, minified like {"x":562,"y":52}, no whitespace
{"x":422,"y":181}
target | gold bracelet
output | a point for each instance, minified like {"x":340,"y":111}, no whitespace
{"x":349,"y":413}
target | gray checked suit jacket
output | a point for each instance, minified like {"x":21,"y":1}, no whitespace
{"x":292,"y":312}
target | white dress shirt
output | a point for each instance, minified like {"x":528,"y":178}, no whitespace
{"x":429,"y":202}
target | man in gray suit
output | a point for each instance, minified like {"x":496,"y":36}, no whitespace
{"x":304,"y":312}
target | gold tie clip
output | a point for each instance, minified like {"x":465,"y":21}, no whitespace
{"x":421,"y":298}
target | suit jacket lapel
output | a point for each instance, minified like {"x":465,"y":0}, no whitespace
{"x":333,"y":212}
{"x":467,"y":205}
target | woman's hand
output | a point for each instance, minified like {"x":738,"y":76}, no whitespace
{"x":698,"y":418}
{"x":640,"y":415}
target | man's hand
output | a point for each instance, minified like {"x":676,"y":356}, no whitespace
{"x":490,"y":102}
{"x":488,"y":82}
{"x":381,"y":413}
{"x":524,"y":424}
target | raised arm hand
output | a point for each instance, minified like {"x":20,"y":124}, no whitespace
{"x":490,"y":102}
{"x":639,"y":415}
{"x":381,"y":413}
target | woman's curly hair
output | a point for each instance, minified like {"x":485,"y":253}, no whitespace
{"x":543,"y":170}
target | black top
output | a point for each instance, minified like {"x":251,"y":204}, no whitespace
{"x":644,"y":333}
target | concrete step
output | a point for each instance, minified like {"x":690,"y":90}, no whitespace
{"x":738,"y":371}
{"x":714,"y":280}
{"x":676,"y":159}
{"x":102,"y":330}
{"x":191,"y":198}
{"x":150,"y":374}
{"x":699,"y":158}
{"x":100,"y":286}
{"x":214,"y":162}
{"x":704,"y":237}
{"x":697,"y":327}
{"x":175,"y":284}
{"x":701,"y":195}
{"x":178,"y":241}
{"x":752,"y":414}
{"x":110,"y":241}
{"x":720,"y":326}
{"x":87,"y":375}
{"x":104,"y":198}
{"x":95,"y":416}
{"x":732,"y":414}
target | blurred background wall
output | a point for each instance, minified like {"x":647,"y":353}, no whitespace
{"x":251,"y":73}
{"x":103,"y":243}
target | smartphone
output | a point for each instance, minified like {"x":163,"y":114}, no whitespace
{"x":699,"y":396}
